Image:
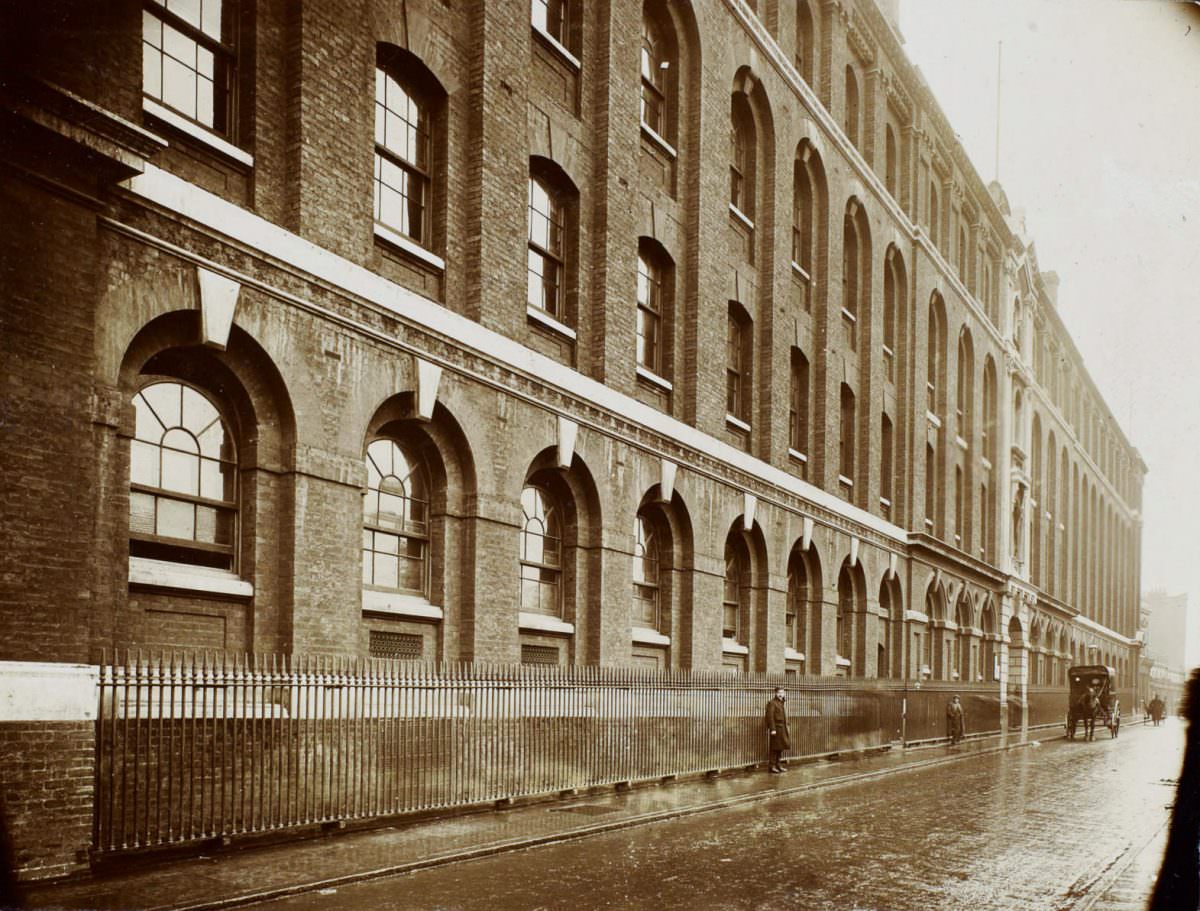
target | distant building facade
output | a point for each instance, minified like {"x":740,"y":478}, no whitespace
{"x":1166,"y":634}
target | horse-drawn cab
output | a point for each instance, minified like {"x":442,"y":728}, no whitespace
{"x":1093,"y":697}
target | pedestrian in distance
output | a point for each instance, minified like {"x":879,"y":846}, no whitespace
{"x":955,"y":720}
{"x":1156,"y":709}
{"x":778,"y":737}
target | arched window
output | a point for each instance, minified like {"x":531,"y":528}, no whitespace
{"x":930,"y":489}
{"x":654,"y":291}
{"x":934,"y":212}
{"x":660,"y":64}
{"x":935,"y":357}
{"x":805,"y":41}
{"x":852,"y":117}
{"x":183,"y":498}
{"x":962,"y":253}
{"x":547,"y":249}
{"x":738,"y":363}
{"x":647,"y":571}
{"x":1018,"y":323}
{"x":803,"y":213}
{"x":796,"y":621}
{"x":735,"y":601}
{"x":886,"y":467}
{"x":893,"y":309}
{"x":405,"y":100}
{"x":799,"y":407}
{"x":960,"y":518}
{"x":851,"y":265}
{"x":847,"y":442}
{"x":965,"y":398}
{"x":743,"y":151}
{"x":891,"y":162}
{"x":189,"y":61}
{"x":395,"y":520}
{"x":541,"y":552}
{"x":845,"y":617}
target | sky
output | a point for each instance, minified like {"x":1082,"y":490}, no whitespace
{"x":1100,"y":146}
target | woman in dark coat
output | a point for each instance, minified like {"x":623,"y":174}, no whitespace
{"x":777,"y":729}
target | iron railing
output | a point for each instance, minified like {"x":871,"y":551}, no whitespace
{"x":200,"y":746}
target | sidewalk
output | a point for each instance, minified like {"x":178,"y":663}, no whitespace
{"x":238,"y":876}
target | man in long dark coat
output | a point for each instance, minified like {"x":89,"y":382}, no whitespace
{"x":955,"y":722}
{"x":777,"y":729}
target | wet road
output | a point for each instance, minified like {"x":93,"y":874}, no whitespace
{"x":1040,"y":828}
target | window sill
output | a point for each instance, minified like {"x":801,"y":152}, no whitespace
{"x":885,"y":502}
{"x":888,"y":352}
{"x":845,"y":481}
{"x":557,"y":47}
{"x":400,"y":604}
{"x":544,"y":624}
{"x":842,"y":662}
{"x":846,"y":314}
{"x":182,"y":577}
{"x":933,"y":419}
{"x":962,"y":444}
{"x":409,"y":247}
{"x":985,"y":462}
{"x":733,"y":647}
{"x":737,"y":423}
{"x":654,"y":379}
{"x":197,"y":132}
{"x":741,"y":216}
{"x":798,"y":271}
{"x":790,"y":654}
{"x":643,"y":636}
{"x":916,"y":616}
{"x":929,"y":525}
{"x":541,"y":316}
{"x":797,"y":455}
{"x":652,"y":134}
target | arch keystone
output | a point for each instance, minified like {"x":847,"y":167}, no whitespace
{"x":806,"y":534}
{"x":567,"y":431}
{"x":666,"y":482}
{"x":749,"y":504}
{"x":218,"y":303}
{"x":429,"y":376}
{"x":854,"y":543}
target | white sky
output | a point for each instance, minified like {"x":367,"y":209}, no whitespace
{"x":1100,"y":145}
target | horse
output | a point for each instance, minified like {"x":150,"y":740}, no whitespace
{"x":1085,"y":709}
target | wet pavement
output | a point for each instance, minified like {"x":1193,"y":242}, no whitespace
{"x":1064,"y":826}
{"x":935,"y":827}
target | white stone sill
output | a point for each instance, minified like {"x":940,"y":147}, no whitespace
{"x":741,"y":216}
{"x":404,"y":245}
{"x":790,"y":654}
{"x":643,"y":636}
{"x":653,"y":135}
{"x":544,"y":624}
{"x":733,"y":647}
{"x":399,"y":604}
{"x":557,"y":47}
{"x":183,"y":577}
{"x":197,"y":132}
{"x":654,"y":379}
{"x":737,"y":422}
{"x":541,"y":316}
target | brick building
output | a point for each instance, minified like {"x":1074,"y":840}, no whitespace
{"x":666,"y":332}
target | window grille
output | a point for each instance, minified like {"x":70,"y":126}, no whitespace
{"x":539,"y":654}
{"x":397,"y":646}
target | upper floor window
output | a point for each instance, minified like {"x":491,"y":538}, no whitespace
{"x":541,"y":552}
{"x":965,"y":397}
{"x":891,"y":162}
{"x":653,"y":292}
{"x":893,"y":301}
{"x":403,"y":159}
{"x":646,"y":570}
{"x":852,"y":116}
{"x":886,"y":463}
{"x":553,"y":17}
{"x":805,"y":43}
{"x":189,"y":58}
{"x":847,"y":439}
{"x":737,"y":363}
{"x":736,"y":591}
{"x":742,"y":156}
{"x":546,"y":248}
{"x":396,"y":520}
{"x":657,"y":74}
{"x":798,"y":404}
{"x":935,"y":356}
{"x":183,"y":499}
{"x":934,"y":233}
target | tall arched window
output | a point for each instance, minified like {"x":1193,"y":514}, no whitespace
{"x":886,"y":466}
{"x":796,"y":626}
{"x":803,"y":213}
{"x":406,"y":99}
{"x":935,"y":363}
{"x":660,"y":66}
{"x":735,"y":600}
{"x":852,"y":115}
{"x":738,"y":368}
{"x":805,"y":41}
{"x":183,"y":497}
{"x":395,"y":520}
{"x":547,"y":249}
{"x":930,"y":489}
{"x":845,"y":617}
{"x":846,"y":460}
{"x":962,"y":253}
{"x":965,"y":398}
{"x":893,"y":309}
{"x":554,"y":18}
{"x":891,"y":162}
{"x":934,"y":213}
{"x":655,"y":289}
{"x":799,"y":406}
{"x":647,"y":570}
{"x":541,"y":552}
{"x":743,"y":151}
{"x":851,"y":265}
